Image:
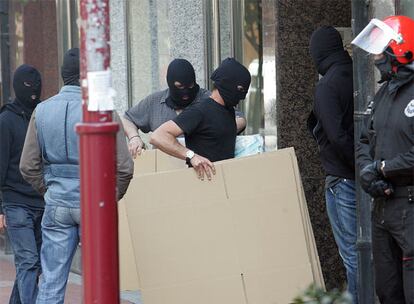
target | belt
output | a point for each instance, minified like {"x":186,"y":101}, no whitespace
{"x":404,"y":191}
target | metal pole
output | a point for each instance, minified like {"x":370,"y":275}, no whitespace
{"x":97,"y":132}
{"x":362,"y":95}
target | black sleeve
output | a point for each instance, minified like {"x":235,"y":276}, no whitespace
{"x":190,"y":119}
{"x":140,"y":114}
{"x":5,"y":141}
{"x":400,"y":165}
{"x":363,"y":147}
{"x":330,"y":114}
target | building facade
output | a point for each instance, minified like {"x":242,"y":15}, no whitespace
{"x":270,"y":37}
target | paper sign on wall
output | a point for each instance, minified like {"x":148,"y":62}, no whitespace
{"x":100,"y":91}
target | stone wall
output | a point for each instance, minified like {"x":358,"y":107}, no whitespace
{"x":296,"y":78}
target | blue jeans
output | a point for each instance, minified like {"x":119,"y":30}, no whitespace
{"x":61,"y":234}
{"x":24,"y":230}
{"x":341,"y":208}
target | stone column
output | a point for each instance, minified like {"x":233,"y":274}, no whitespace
{"x":187,"y":34}
{"x":296,"y":78}
{"x":119,"y":53}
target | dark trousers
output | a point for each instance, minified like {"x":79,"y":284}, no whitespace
{"x":24,"y":230}
{"x":393,"y":250}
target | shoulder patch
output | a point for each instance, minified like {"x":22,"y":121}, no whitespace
{"x":409,"y":109}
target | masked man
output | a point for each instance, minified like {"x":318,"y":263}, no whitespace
{"x":333,"y":129}
{"x":162,"y":106}
{"x":22,"y":205}
{"x":209,"y":126}
{"x":385,"y":155}
{"x":50,"y":162}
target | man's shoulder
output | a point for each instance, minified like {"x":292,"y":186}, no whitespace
{"x":200,"y":106}
{"x":62,"y":95}
{"x":337,"y":76}
{"x":5,"y":117}
{"x":202,"y":94}
{"x":156,"y":97}
{"x":203,"y":102}
{"x":6,"y":114}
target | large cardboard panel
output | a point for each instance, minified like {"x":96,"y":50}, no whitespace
{"x":149,"y":161}
{"x":265,"y":236}
{"x":145,"y":163}
{"x":168,"y":163}
{"x":310,"y":238}
{"x":225,"y":290}
{"x":265,"y":173}
{"x":276,"y":286}
{"x":127,"y":267}
{"x":193,"y":233}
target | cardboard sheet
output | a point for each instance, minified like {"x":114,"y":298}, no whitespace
{"x":244,"y":237}
{"x":149,"y":161}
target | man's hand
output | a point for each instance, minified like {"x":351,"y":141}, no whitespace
{"x":135,"y":146}
{"x":2,"y":222}
{"x":203,"y":167}
{"x":380,"y":188}
{"x":369,"y":174}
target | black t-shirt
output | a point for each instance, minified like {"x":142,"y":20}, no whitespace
{"x":209,"y":128}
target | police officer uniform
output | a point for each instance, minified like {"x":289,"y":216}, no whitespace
{"x":385,"y":155}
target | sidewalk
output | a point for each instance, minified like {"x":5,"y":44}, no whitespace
{"x":73,"y":290}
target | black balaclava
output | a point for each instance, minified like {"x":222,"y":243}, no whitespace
{"x":182,"y":71}
{"x":393,"y":72}
{"x":385,"y":67}
{"x":326,"y":48}
{"x":232,"y":80}
{"x":70,"y":68}
{"x":27,"y":85}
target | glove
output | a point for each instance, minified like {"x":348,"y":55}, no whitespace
{"x":380,"y":188}
{"x":369,"y":174}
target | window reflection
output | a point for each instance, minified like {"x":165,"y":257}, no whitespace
{"x":16,"y":38}
{"x":252,"y":52}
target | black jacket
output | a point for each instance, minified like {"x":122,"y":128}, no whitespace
{"x":14,"y":120}
{"x":389,"y":133}
{"x":331,"y":121}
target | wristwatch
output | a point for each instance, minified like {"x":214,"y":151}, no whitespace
{"x":188,"y":156}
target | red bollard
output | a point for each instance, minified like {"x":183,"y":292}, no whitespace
{"x":99,"y":213}
{"x":99,"y":222}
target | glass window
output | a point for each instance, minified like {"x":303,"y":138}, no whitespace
{"x":252,"y":58}
{"x":67,"y":26}
{"x":12,"y":44}
{"x":241,"y":37}
{"x":32,"y":42}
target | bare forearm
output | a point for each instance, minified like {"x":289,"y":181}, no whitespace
{"x":241,"y":124}
{"x":130,"y":128}
{"x":168,"y":143}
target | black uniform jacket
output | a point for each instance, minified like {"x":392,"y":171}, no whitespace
{"x":389,"y":134}
{"x":332,"y":115}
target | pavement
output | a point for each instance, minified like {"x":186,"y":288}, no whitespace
{"x":73,"y":290}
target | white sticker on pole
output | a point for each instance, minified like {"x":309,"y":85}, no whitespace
{"x":100,"y":91}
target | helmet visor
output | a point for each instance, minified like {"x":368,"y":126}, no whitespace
{"x":375,"y":37}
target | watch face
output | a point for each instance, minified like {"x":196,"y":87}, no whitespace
{"x":190,"y":154}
